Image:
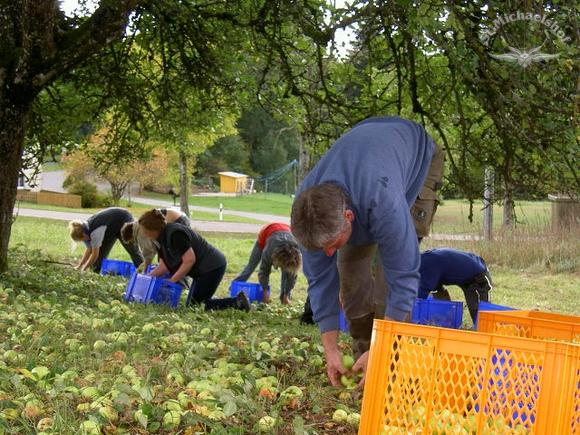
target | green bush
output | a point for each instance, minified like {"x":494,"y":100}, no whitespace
{"x":104,"y":201}
{"x":87,"y":191}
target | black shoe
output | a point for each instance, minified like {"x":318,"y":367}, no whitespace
{"x":242,"y":302}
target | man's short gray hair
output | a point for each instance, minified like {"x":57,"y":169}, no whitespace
{"x":318,"y":215}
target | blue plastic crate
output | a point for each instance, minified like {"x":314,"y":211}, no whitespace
{"x":138,"y":288}
{"x":448,"y":314}
{"x":117,"y":267}
{"x":165,"y":292}
{"x":488,"y":306}
{"x":147,"y":289}
{"x":252,"y":290}
{"x":342,"y":322}
{"x":151,"y":267}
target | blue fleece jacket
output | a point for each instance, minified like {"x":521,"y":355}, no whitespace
{"x":381,"y":165}
{"x":446,"y":266}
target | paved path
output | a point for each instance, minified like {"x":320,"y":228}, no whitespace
{"x":203,"y":226}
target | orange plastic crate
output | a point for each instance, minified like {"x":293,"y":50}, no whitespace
{"x":531,"y":324}
{"x":428,"y":380}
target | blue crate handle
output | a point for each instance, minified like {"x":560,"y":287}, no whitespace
{"x":253,"y":290}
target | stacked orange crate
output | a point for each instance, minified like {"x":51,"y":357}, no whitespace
{"x":531,"y":324}
{"x":428,"y":380}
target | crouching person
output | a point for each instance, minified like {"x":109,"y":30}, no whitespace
{"x":446,"y":266}
{"x":99,"y":233}
{"x":131,"y":233}
{"x":275,"y":247}
{"x":183,"y":252}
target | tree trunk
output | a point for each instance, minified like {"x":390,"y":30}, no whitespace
{"x":508,"y":209}
{"x":12,"y":132}
{"x":183,"y":183}
{"x":117,"y":190}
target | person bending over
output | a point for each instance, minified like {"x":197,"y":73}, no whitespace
{"x":275,"y":247}
{"x":183,"y":252}
{"x":446,"y":266}
{"x":366,"y":197}
{"x":99,"y":233}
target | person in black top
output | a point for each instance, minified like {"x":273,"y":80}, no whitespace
{"x":175,"y":216}
{"x":99,"y":233}
{"x":183,"y":253}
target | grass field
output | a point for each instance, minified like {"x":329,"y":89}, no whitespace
{"x":266,"y":203}
{"x":75,"y":358}
{"x":452,"y":216}
{"x":533,"y":272}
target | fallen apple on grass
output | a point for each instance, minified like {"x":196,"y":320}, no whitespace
{"x":110,"y":366}
{"x":266,"y":423}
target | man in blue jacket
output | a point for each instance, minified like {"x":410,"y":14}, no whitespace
{"x":358,"y":201}
{"x":446,"y":266}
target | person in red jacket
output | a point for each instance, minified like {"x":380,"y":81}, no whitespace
{"x":277,"y":248}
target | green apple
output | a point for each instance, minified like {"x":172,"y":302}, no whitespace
{"x":40,"y":372}
{"x":344,"y":395}
{"x":83,"y":407}
{"x":10,"y":355}
{"x":90,"y":393}
{"x":109,"y":413}
{"x":45,"y":424}
{"x":290,"y":394}
{"x":175,"y":377}
{"x":184,"y":398}
{"x":89,"y":427}
{"x":470,"y":424}
{"x":266,"y":423}
{"x":140,"y":417}
{"x":316,"y":361}
{"x":99,"y":345}
{"x":417,"y":415}
{"x":392,"y":430}
{"x":340,"y":416}
{"x":520,"y":429}
{"x":347,"y":361}
{"x":171,"y":419}
{"x":348,"y":382}
{"x":9,"y":414}
{"x":32,"y":409}
{"x":353,"y":419}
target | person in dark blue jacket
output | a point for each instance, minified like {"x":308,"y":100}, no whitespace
{"x":358,"y":202}
{"x":446,"y":266}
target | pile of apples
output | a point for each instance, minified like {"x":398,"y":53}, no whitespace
{"x":445,"y":422}
{"x":75,"y":358}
